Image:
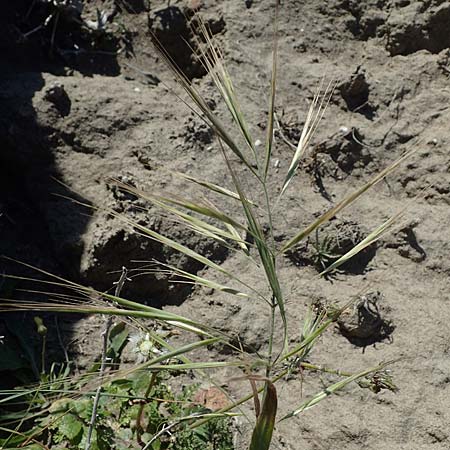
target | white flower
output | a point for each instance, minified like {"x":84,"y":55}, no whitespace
{"x":143,"y":345}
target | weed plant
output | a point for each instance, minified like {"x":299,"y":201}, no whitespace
{"x":251,"y":233}
{"x":133,"y":409}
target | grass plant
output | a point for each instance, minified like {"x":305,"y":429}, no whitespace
{"x":250,"y":233}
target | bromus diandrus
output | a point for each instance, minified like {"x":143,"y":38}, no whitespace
{"x":251,"y":233}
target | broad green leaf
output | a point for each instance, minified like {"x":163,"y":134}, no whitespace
{"x":17,"y":439}
{"x":71,"y":427}
{"x":117,"y":339}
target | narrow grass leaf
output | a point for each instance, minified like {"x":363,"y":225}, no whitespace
{"x":162,"y":201}
{"x":238,"y":239}
{"x":315,"y":328}
{"x":271,"y":115}
{"x":205,"y":282}
{"x":166,"y":356}
{"x":157,"y":362}
{"x":89,"y":293}
{"x":200,"y":226}
{"x":266,"y":256}
{"x":176,"y":246}
{"x":213,"y":187}
{"x":311,"y":324}
{"x":325,"y":393}
{"x":195,"y":365}
{"x":344,"y":203}
{"x":143,"y":312}
{"x":204,"y":228}
{"x":172,"y":244}
{"x":308,"y":340}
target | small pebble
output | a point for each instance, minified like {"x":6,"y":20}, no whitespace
{"x":258,"y":143}
{"x":136,"y":89}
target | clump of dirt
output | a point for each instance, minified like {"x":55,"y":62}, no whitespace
{"x":57,"y":95}
{"x":339,"y":154}
{"x":366,"y":20}
{"x":355,"y":91}
{"x":175,"y":34}
{"x":405,"y":26}
{"x":405,"y":241}
{"x":112,"y":246}
{"x":367,"y":321}
{"x":418,"y":26}
{"x":331,"y":242}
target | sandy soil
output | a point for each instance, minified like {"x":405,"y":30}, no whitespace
{"x":84,"y":116}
